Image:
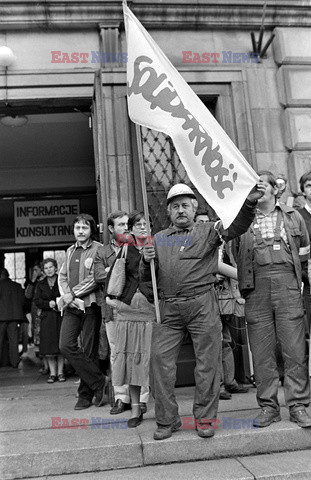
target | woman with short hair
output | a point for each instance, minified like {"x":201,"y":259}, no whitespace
{"x":45,"y":298}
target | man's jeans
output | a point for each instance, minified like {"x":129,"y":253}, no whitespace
{"x":82,"y":358}
{"x":200,"y":316}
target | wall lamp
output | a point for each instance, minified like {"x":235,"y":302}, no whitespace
{"x":7,"y":57}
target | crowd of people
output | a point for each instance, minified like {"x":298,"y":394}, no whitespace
{"x":268,"y":249}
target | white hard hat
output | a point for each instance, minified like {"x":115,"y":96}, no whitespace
{"x":179,"y":189}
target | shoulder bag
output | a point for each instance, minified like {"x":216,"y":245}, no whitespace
{"x":117,"y":278}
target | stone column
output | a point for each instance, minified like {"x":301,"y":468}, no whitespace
{"x":292,"y":54}
{"x":114,"y":168}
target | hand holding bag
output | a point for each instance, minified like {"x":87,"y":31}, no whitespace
{"x":117,"y":278}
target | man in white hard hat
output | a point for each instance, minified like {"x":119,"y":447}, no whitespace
{"x":186,"y":257}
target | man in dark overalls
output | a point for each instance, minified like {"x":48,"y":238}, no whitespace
{"x":270,"y":257}
{"x":186,"y":258}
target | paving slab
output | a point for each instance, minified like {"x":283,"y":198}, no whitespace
{"x":34,"y":409}
{"x":277,"y":466}
{"x":280,"y":466}
{"x":185,"y":445}
{"x":42,"y":402}
{"x":226,"y":469}
{"x":30,"y":446}
{"x":51,"y":452}
{"x":106,"y":445}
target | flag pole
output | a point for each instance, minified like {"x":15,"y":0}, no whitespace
{"x":146,"y":213}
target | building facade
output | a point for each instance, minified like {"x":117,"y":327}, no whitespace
{"x":68,"y":79}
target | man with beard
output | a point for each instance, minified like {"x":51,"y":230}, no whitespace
{"x":118,"y":226}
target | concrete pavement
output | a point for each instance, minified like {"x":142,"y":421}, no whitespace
{"x":277,"y":466}
{"x":93,"y":441}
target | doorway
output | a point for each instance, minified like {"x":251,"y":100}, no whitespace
{"x":47,"y":160}
{"x":50,"y":158}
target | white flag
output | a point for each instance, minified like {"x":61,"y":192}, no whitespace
{"x":159,"y":98}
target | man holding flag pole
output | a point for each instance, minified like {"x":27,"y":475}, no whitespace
{"x":186,"y":255}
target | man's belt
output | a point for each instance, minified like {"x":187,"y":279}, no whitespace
{"x":194,"y":292}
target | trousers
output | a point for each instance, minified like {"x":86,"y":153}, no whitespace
{"x":275,"y":310}
{"x":82,"y":358}
{"x":228,"y":366}
{"x":200,"y":317}
{"x":12,"y":331}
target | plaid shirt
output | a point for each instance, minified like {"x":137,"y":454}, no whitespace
{"x":267,"y":224}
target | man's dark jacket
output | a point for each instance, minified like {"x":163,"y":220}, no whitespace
{"x":11,"y":301}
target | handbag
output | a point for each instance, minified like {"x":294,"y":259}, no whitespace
{"x":229,"y":298}
{"x":226,"y":300}
{"x":117,"y":278}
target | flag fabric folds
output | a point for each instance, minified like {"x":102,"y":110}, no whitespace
{"x":159,"y":98}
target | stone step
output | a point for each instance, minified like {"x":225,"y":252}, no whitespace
{"x":31,"y":446}
{"x":280,"y":466}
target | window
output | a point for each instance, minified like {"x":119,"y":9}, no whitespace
{"x":16,"y":266}
{"x":59,"y":256}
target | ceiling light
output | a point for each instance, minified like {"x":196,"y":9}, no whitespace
{"x":14,"y":120}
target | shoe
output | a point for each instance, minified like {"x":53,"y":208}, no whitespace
{"x":236,"y":389}
{"x":43,"y":371}
{"x":120,"y":407}
{"x":225,"y":395}
{"x":266,"y":417}
{"x":205,"y":430}
{"x":135,"y":421}
{"x":61,"y":377}
{"x":82,"y":403}
{"x":52,"y":379}
{"x":101,"y":394}
{"x":300,"y":417}
{"x":143,"y":407}
{"x":163,"y":432}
